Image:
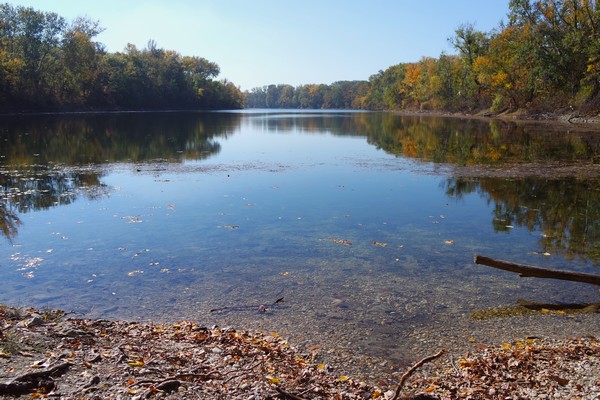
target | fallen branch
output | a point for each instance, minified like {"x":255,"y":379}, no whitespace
{"x":177,"y":377}
{"x":527,"y":271}
{"x":260,"y":307}
{"x":412,"y":370}
{"x":287,"y":395}
{"x":32,"y":380}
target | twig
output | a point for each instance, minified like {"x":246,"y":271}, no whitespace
{"x":456,"y":370}
{"x":241,"y":372}
{"x":412,"y":370}
{"x":287,"y":395}
{"x":259,"y":307}
{"x":175,"y":377}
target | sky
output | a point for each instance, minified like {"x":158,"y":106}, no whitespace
{"x":261,"y":42}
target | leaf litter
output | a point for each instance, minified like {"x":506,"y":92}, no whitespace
{"x":45,"y":354}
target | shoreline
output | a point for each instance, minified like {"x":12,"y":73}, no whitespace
{"x":572,"y":120}
{"x":46,"y":353}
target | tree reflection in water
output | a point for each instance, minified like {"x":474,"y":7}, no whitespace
{"x":566,"y":211}
{"x":41,"y":188}
{"x":48,"y":161}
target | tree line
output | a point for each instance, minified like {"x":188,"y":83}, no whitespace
{"x":338,"y":95}
{"x":47,"y":63}
{"x":545,"y":57}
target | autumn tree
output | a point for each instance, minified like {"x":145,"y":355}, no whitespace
{"x":564,"y":40}
{"x":80,"y":58}
{"x":49,"y":64}
{"x":470,"y":44}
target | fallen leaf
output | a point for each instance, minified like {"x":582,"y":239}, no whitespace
{"x":464,"y":363}
{"x":559,"y":380}
{"x":380,"y":244}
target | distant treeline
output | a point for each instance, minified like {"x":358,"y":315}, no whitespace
{"x":47,"y":64}
{"x":545,"y":57}
{"x":338,"y":95}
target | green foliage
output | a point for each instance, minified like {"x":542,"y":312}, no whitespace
{"x":49,"y":64}
{"x":338,"y":95}
{"x":546,"y":58}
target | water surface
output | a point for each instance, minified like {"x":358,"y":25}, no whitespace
{"x":365,"y":223}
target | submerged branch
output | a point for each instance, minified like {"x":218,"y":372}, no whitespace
{"x":260,"y":307}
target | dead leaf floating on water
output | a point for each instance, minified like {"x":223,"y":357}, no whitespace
{"x":345,"y":242}
{"x":380,"y":244}
{"x":449,"y":241}
{"x":342,"y":241}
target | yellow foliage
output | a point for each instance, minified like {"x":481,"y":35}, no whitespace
{"x":500,"y":79}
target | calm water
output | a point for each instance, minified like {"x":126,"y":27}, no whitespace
{"x":365,"y":223}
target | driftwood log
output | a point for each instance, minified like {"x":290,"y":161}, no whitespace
{"x":527,"y":271}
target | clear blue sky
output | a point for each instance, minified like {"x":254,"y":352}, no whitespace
{"x":259,"y":42}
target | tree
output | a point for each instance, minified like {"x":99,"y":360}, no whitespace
{"x":471,"y":44}
{"x":80,"y":57}
{"x":565,"y":36}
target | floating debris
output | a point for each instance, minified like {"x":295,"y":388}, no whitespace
{"x":345,"y":242}
{"x":230,"y":227}
{"x":543,"y":253}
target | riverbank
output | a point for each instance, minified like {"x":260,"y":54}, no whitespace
{"x":47,"y":354}
{"x":558,"y":120}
